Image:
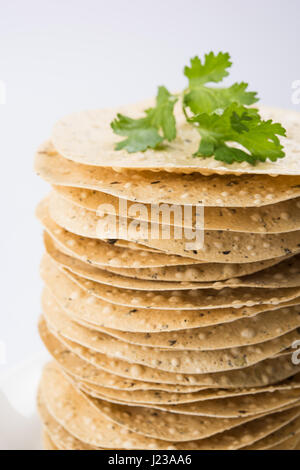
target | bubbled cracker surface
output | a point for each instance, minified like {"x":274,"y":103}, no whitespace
{"x":278,"y":437}
{"x":105,"y":277}
{"x":196,"y":273}
{"x":96,"y":312}
{"x":200,"y":299}
{"x":184,"y":426}
{"x":219,"y":246}
{"x":225,"y":440}
{"x":273,"y":218}
{"x":189,"y":361}
{"x":87,"y":137}
{"x":242,"y":332}
{"x":158,"y":347}
{"x":100,"y":253}
{"x":285,"y":274}
{"x":87,"y":374}
{"x":234,"y":407}
{"x":263,"y":327}
{"x":97,"y":420}
{"x":263,"y":374}
{"x":75,"y":414}
{"x":149,"y":187}
{"x":58,"y":434}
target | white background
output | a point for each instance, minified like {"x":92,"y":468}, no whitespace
{"x":59,"y":56}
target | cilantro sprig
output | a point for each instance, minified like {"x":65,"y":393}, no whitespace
{"x":203,"y":99}
{"x":230,"y":130}
{"x":243,"y":126}
{"x":144,"y":133}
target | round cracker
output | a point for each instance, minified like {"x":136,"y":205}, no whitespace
{"x":180,"y":299}
{"x":86,"y":137}
{"x":280,"y":436}
{"x":106,"y":277}
{"x":101,"y":253}
{"x":205,"y":272}
{"x":64,"y":399}
{"x":265,"y":373}
{"x":57,"y":390}
{"x":228,"y":408}
{"x":285,"y":274}
{"x":59,"y":435}
{"x":244,"y":332}
{"x":219,"y":246}
{"x":273,"y":218}
{"x":187,"y":362}
{"x":69,"y":408}
{"x":85,"y":373}
{"x":81,"y":306}
{"x":263,"y":327}
{"x":162,"y":187}
{"x":110,"y":257}
{"x":232,"y":439}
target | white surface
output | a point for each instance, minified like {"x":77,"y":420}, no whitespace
{"x":20,"y":428}
{"x":61,"y":56}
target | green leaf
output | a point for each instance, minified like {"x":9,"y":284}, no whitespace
{"x":206,"y":148}
{"x":258,"y":138}
{"x":203,"y":99}
{"x":144,"y":133}
{"x":230,"y":155}
{"x":139,"y":137}
{"x":262,"y":141}
{"x":162,"y":116}
{"x":207,"y":100}
{"x":214,"y":69}
{"x":238,"y":123}
{"x":230,"y":130}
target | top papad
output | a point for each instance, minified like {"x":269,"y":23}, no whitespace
{"x":86,"y":137}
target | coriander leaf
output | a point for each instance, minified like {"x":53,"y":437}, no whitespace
{"x":162,"y":116}
{"x":143,"y":133}
{"x":230,"y":155}
{"x":258,"y":138}
{"x":238,"y":93}
{"x":230,"y":130}
{"x":207,"y":100}
{"x":262,"y":141}
{"x":203,"y":99}
{"x":139,"y":135}
{"x":238,"y":122}
{"x":214,"y":69}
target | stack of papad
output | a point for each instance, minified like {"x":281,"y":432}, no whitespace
{"x":156,"y":346}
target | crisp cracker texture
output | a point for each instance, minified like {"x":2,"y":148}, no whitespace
{"x":155,"y":345}
{"x":86,"y":137}
{"x":228,"y":190}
